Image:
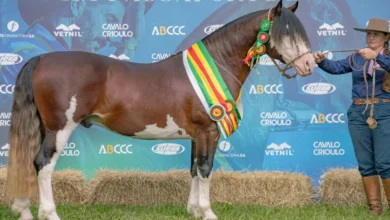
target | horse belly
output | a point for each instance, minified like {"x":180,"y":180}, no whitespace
{"x":134,"y":126}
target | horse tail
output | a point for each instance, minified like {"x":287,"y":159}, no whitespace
{"x":25,"y":136}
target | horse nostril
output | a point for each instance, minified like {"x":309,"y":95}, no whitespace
{"x":307,"y":63}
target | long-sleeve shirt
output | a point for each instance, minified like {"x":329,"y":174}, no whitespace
{"x":358,"y":84}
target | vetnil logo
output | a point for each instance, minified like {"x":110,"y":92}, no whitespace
{"x":68,"y":31}
{"x":335,"y":29}
{"x":4,"y":150}
{"x":283,"y":149}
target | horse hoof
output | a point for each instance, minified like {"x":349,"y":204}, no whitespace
{"x":19,"y":205}
{"x":48,"y":214}
{"x":209,"y":215}
{"x":26,"y":215}
{"x":194,"y":211}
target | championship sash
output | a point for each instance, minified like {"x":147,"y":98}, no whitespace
{"x":211,"y":89}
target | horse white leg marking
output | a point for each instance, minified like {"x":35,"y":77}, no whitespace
{"x":47,"y":209}
{"x":193,"y":201}
{"x":22,"y":206}
{"x":204,"y":198}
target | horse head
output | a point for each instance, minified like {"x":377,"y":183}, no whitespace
{"x":289,"y":42}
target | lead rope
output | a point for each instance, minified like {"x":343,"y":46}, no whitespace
{"x":372,"y":123}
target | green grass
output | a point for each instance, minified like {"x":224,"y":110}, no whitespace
{"x":223,"y":212}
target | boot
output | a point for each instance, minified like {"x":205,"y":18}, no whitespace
{"x":386,"y":186}
{"x":373,"y":194}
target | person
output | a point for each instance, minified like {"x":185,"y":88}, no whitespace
{"x":369,"y":113}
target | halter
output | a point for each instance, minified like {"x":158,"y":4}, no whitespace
{"x":258,"y":49}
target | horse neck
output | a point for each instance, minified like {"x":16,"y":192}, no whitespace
{"x":228,"y":47}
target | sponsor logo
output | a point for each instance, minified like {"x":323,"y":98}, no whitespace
{"x":68,"y":31}
{"x":13,"y":27}
{"x":266,"y":60}
{"x":279,"y":150}
{"x":318,"y":88}
{"x":331,"y":118}
{"x":274,"y":119}
{"x":335,"y":29}
{"x":328,"y":148}
{"x":10,"y":59}
{"x":120,"y":57}
{"x":7,"y":88}
{"x":168,"y":149}
{"x":268,"y":89}
{"x":210,"y":29}
{"x":4,"y":150}
{"x":116,"y":30}
{"x":225,"y":147}
{"x":328,"y":55}
{"x":116,"y":149}
{"x":5,"y":119}
{"x":170,"y":30}
{"x":70,"y":150}
{"x":160,"y":56}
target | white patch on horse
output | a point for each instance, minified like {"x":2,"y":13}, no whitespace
{"x":204,"y":197}
{"x":22,"y":206}
{"x":47,"y":208}
{"x":193,"y":200}
{"x":171,"y":131}
{"x":290,"y":50}
{"x":240,"y":108}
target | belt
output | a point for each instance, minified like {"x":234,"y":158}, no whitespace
{"x":369,"y":101}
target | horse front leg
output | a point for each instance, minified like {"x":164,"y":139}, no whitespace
{"x":206,"y":143}
{"x":193,"y":200}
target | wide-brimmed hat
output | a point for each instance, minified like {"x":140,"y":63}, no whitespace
{"x":376,"y":24}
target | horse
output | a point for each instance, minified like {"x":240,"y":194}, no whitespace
{"x":55,"y":92}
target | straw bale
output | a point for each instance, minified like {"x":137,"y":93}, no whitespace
{"x":139,"y":188}
{"x":142,"y":188}
{"x":273,"y":189}
{"x":344,"y":187}
{"x":68,"y":187}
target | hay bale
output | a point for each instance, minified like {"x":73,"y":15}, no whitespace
{"x":344,"y":187}
{"x":139,"y":188}
{"x":142,"y":188}
{"x":68,"y":187}
{"x":272,"y":189}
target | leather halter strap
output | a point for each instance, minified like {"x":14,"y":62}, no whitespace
{"x":288,"y":65}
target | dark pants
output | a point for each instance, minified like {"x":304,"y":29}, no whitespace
{"x":372,"y":147}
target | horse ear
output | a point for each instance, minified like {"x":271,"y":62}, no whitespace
{"x":278,"y":8}
{"x":293,"y":7}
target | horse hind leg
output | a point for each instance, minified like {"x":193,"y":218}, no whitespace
{"x":193,"y":200}
{"x":46,"y":159}
{"x":22,"y":206}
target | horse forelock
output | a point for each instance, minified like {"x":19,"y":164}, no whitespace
{"x":288,"y":26}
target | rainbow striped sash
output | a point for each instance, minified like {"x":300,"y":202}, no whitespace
{"x":211,"y":89}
